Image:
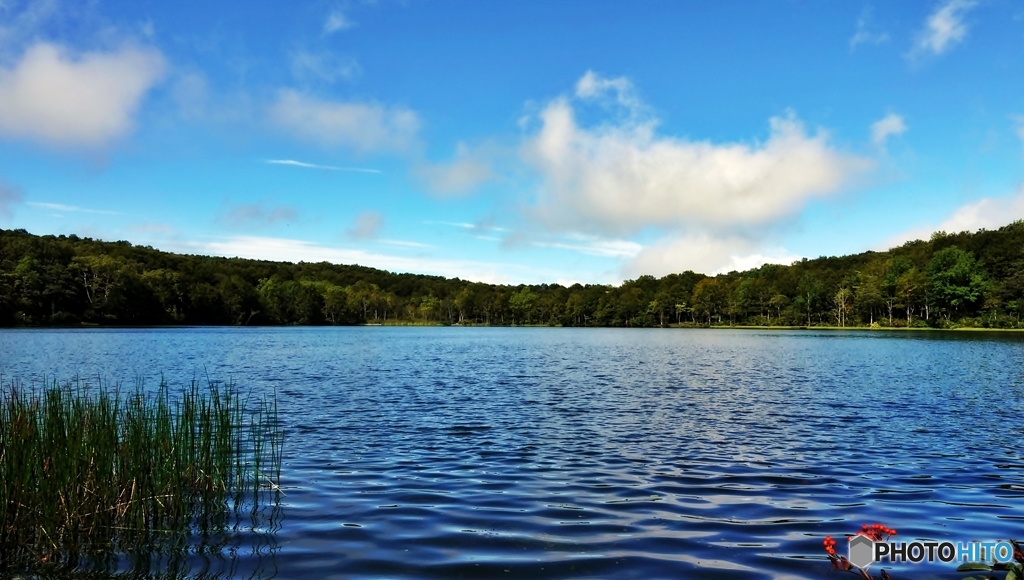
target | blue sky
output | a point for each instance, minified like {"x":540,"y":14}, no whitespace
{"x":512,"y":142}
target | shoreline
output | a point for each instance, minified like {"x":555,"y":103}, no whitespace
{"x":442,"y":325}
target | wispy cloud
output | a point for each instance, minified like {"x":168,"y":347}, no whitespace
{"x":945,"y":27}
{"x":1018,"y":121}
{"x":888,"y":126}
{"x":68,"y":208}
{"x":406,"y":244}
{"x":594,"y":246}
{"x":323,"y":66}
{"x":295,"y":163}
{"x":9,"y":197}
{"x":864,"y":34}
{"x":257,"y":215}
{"x":151,"y":228}
{"x":468,"y":226}
{"x":337,"y":21}
{"x":366,"y":226}
{"x":464,"y":173}
{"x":366,"y":127}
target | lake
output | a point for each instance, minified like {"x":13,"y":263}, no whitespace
{"x":596,"y":453}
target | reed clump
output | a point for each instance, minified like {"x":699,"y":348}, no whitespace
{"x":88,"y":472}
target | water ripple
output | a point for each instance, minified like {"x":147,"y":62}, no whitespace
{"x":559,"y":453}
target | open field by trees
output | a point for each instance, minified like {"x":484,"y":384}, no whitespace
{"x":952,"y":280}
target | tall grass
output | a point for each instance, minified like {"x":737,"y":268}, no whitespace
{"x":87,"y":472}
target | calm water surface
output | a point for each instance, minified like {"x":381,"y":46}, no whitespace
{"x":597,"y":453}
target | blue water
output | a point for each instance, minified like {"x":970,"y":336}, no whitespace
{"x":596,"y":453}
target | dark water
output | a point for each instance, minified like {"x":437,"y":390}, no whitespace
{"x":590,"y":453}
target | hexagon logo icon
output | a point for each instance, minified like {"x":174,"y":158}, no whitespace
{"x":862,"y":551}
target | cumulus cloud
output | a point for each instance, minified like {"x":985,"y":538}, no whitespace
{"x":323,"y":66}
{"x":366,"y":127}
{"x":10,"y":196}
{"x":366,"y":226}
{"x":704,"y":253}
{"x":249,"y":215}
{"x":864,"y":34}
{"x":945,"y":27}
{"x":989,"y":213}
{"x":622,"y":177}
{"x":53,"y":97}
{"x":468,"y":170}
{"x":888,"y":126}
{"x":336,"y":21}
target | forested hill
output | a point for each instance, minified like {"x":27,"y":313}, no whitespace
{"x":965,"y":279}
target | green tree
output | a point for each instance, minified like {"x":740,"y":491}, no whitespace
{"x":957,"y":280}
{"x":521,"y":304}
{"x":843,"y":300}
{"x":707,"y":298}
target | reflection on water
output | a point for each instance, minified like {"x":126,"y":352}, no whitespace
{"x":558,"y":453}
{"x":246,"y":549}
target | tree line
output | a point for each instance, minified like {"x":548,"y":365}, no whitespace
{"x":952,"y":280}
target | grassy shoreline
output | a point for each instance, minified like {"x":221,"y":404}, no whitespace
{"x":718,"y":327}
{"x":868,"y":328}
{"x":89,"y":472}
{"x":418,"y":324}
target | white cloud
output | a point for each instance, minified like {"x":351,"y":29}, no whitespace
{"x":989,"y":213}
{"x":594,"y":246}
{"x":468,"y":170}
{"x":305,"y":165}
{"x":705,"y":254}
{"x":336,"y":21}
{"x":366,"y":127}
{"x":593,"y":86}
{"x":323,"y":66}
{"x":622,"y":177}
{"x":10,"y":196}
{"x":863,"y":34}
{"x":88,"y":100}
{"x":406,"y":244}
{"x":366,"y":226}
{"x":945,"y":27}
{"x":257,"y":215}
{"x":68,"y":208}
{"x":487,"y":227}
{"x":887,"y":126}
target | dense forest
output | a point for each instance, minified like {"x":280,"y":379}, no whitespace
{"x":952,"y":280}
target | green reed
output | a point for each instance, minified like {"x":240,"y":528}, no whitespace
{"x":87,"y":472}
